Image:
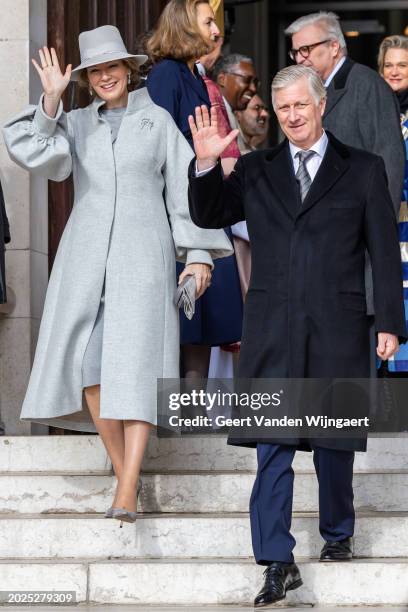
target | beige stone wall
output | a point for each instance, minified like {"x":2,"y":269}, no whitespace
{"x":23,"y":29}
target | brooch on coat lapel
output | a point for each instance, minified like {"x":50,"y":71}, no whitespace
{"x":146,"y":123}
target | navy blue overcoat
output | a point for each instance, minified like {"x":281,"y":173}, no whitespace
{"x":218,"y":317}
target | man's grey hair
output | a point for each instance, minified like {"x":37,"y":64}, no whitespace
{"x":289,"y":75}
{"x":227,"y":63}
{"x":328,"y":20}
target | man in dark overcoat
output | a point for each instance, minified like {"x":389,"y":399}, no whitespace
{"x":313,"y":206}
{"x":4,"y":239}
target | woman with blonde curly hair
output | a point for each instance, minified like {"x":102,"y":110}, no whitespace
{"x":393,"y":67}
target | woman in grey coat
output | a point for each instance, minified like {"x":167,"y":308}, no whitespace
{"x":110,"y":327}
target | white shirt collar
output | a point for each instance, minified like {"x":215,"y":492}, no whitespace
{"x":334,"y":71}
{"x":318,"y":147}
{"x":201,"y":69}
{"x":231,"y":115}
{"x":227,"y":104}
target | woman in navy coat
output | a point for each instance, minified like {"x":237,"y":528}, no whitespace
{"x":185,"y":32}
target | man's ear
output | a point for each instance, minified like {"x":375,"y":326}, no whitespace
{"x":335,"y":47}
{"x":221,"y":79}
{"x":323,"y":106}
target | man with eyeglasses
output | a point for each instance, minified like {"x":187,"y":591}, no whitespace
{"x":361,"y":110}
{"x":235,"y":76}
{"x":253,"y":125}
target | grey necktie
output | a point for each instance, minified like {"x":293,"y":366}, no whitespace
{"x":302,"y":175}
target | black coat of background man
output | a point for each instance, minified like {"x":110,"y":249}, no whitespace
{"x":4,"y":239}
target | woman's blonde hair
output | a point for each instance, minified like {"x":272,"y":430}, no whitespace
{"x":177,"y":35}
{"x":391,"y":42}
{"x":130,"y":63}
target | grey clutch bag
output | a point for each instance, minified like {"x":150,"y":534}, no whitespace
{"x":185,"y":296}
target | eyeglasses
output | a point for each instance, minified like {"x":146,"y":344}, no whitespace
{"x":305,"y":50}
{"x":247,"y":79}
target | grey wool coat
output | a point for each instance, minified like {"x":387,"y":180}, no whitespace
{"x":121,"y":229}
{"x":362,"y":112}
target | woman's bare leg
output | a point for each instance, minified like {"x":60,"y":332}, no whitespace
{"x":136,"y":438}
{"x":110,"y":430}
{"x":125,"y":443}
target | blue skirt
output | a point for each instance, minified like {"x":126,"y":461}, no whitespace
{"x":218,"y":316}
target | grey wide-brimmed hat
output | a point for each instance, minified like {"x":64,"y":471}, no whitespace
{"x":102,"y":45}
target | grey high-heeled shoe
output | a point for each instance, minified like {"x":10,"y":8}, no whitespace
{"x":123,"y":515}
{"x":109,"y":512}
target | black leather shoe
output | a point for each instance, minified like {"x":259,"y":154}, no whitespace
{"x":337,"y":551}
{"x":279,"y":578}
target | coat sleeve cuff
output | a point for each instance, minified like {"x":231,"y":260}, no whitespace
{"x":199,"y":173}
{"x":199,"y":256}
{"x":400,"y":332}
{"x":42,"y":123}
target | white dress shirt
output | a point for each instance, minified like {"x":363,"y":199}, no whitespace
{"x":313,"y":163}
{"x":233,"y":121}
{"x":334,"y":71}
{"x":201,"y":69}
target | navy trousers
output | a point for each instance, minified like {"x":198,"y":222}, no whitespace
{"x":272,"y":497}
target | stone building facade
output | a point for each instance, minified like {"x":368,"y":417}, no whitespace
{"x":23,"y":29}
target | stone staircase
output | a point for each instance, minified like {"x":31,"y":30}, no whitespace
{"x":191,"y":545}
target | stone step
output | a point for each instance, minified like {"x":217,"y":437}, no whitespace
{"x":92,"y":607}
{"x":86,"y":454}
{"x":193,"y":608}
{"x":208,"y":581}
{"x":186,"y":492}
{"x":183,"y":536}
{"x":213,"y":453}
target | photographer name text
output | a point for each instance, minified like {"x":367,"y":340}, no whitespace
{"x":321,"y":422}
